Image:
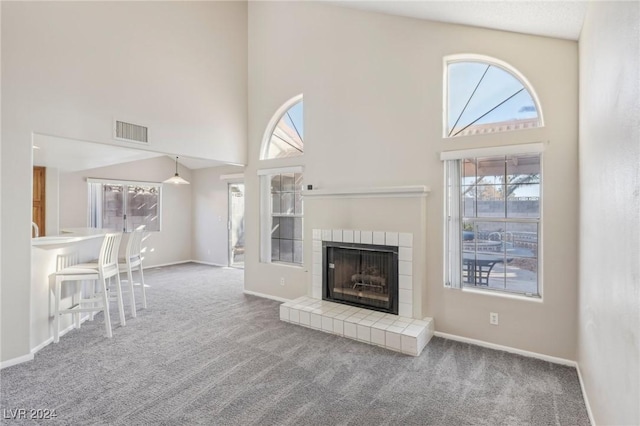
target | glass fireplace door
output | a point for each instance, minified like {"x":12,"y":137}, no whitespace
{"x":362,"y":275}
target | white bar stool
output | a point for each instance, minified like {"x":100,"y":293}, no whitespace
{"x":105,"y":268}
{"x":133,"y":261}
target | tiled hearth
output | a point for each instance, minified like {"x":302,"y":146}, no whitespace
{"x":400,"y":333}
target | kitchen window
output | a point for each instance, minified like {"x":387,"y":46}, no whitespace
{"x":124,"y":205}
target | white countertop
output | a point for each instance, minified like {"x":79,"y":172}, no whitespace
{"x":70,"y":235}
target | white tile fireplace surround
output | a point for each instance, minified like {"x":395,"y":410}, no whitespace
{"x":400,"y":333}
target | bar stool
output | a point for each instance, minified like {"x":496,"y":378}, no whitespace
{"x":105,"y":268}
{"x":131,"y":262}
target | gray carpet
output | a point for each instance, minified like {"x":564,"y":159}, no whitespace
{"x":205,"y":353}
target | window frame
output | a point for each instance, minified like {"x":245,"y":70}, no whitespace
{"x":293,"y":164}
{"x":452,"y":268}
{"x":488,"y":60}
{"x":93,"y":219}
{"x":271,"y":126}
{"x":267,"y":214}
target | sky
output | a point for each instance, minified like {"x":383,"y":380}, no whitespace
{"x":496,"y":86}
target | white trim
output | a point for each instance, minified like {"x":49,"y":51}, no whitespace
{"x":201,"y":262}
{"x":62,"y":333}
{"x":161,"y":265}
{"x":123,"y":182}
{"x":453,"y":225}
{"x":16,"y":361}
{"x":47,"y":342}
{"x":265,"y":219}
{"x":287,"y":264}
{"x":370,"y":192}
{"x":501,"y":293}
{"x":232,"y":176}
{"x":548,"y":358}
{"x":472,"y":57}
{"x":524,"y":148}
{"x":266,"y":138}
{"x":585,"y":397}
{"x":278,"y":170}
{"x":265,"y":296}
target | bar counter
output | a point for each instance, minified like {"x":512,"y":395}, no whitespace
{"x":45,"y":252}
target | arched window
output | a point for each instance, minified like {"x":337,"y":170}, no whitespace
{"x":485,"y":95}
{"x":284,"y":136}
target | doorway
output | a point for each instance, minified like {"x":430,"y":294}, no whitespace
{"x":236,"y":225}
{"x":39,"y":202}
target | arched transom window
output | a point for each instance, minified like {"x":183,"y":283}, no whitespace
{"x":285,"y":132}
{"x":485,"y":95}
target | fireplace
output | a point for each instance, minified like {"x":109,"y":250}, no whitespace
{"x":362,"y":275}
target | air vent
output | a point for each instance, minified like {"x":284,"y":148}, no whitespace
{"x":131,"y":132}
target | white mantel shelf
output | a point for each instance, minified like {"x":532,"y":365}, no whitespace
{"x":369,"y":192}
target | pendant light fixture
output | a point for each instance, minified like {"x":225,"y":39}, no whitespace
{"x":176,"y":179}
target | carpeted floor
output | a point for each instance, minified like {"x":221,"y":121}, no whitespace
{"x":205,"y":353}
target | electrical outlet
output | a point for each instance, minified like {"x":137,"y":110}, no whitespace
{"x":493,"y":318}
{"x":282,"y":281}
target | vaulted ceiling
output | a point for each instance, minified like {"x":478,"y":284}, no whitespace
{"x":559,"y":19}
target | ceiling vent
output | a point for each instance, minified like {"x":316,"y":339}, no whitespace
{"x":131,"y":132}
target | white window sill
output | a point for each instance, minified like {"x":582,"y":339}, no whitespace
{"x":496,"y":293}
{"x":286,"y":264}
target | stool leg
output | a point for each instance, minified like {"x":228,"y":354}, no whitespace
{"x":92,"y":295}
{"x":123,"y":322}
{"x":77,"y":299}
{"x":56,"y":319}
{"x":133,"y":296}
{"x":105,"y":307}
{"x":144,"y":293}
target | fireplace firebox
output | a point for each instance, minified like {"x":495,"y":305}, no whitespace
{"x":361,"y":275}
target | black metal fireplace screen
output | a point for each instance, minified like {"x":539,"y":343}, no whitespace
{"x":361,"y":275}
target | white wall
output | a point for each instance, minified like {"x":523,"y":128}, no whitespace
{"x":176,"y":67}
{"x":70,"y":68}
{"x":2,"y":305}
{"x":173,"y":242}
{"x":609,"y":306}
{"x":210,"y":214}
{"x":372,"y":87}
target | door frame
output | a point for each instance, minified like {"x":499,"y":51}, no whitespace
{"x":229,"y":223}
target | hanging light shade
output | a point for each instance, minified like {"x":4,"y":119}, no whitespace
{"x":176,"y":179}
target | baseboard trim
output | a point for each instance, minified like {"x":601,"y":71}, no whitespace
{"x":62,"y":333}
{"x":584,"y":396}
{"x":201,"y":262}
{"x":45,"y":343}
{"x":16,"y":361}
{"x":509,"y":349}
{"x":161,"y":265}
{"x":37,"y":348}
{"x":266,"y":296}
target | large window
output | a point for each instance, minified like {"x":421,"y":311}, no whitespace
{"x":493,"y":222}
{"x":124,"y":205}
{"x":484,"y":95}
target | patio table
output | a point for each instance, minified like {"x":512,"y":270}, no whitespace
{"x":478,"y":266}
